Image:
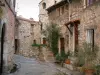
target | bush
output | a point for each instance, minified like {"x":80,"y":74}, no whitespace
{"x":87,"y":55}
{"x":97,"y":68}
{"x":38,"y":45}
{"x":52,"y":34}
{"x":62,"y":57}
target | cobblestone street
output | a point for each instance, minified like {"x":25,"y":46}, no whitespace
{"x":31,"y":66}
{"x":28,"y":66}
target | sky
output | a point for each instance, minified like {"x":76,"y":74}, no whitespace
{"x":28,"y":8}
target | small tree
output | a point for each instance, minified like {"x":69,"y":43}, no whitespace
{"x":52,"y":34}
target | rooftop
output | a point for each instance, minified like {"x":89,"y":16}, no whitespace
{"x":57,"y":5}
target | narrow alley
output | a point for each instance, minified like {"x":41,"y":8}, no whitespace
{"x":32,"y":66}
{"x":28,"y":66}
{"x":49,"y":37}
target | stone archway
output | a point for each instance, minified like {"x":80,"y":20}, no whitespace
{"x":2,"y":48}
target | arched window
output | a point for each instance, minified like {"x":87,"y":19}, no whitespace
{"x":44,"y":5}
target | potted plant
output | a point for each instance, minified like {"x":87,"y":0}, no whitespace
{"x":88,"y":54}
{"x":97,"y":68}
{"x":61,"y":57}
{"x":67,"y":60}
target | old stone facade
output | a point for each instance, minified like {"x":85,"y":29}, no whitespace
{"x":28,"y":33}
{"x":43,"y":14}
{"x":76,"y":18}
{"x":7,"y":36}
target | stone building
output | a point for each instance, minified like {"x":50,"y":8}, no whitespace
{"x":79,"y":22}
{"x":28,"y":33}
{"x":43,"y":13}
{"x":7,"y":25}
{"x":54,"y":15}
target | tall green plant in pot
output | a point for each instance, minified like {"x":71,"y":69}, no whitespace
{"x":52,"y":34}
{"x":87,"y":55}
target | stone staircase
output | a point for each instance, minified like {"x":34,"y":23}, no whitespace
{"x":48,"y":55}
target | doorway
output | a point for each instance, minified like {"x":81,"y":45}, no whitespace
{"x":2,"y":48}
{"x":62,"y":44}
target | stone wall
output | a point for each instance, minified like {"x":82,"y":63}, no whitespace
{"x":60,"y":18}
{"x":43,"y":54}
{"x":28,"y":34}
{"x":8,"y":18}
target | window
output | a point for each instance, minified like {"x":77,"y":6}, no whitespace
{"x":62,"y":8}
{"x":89,"y":2}
{"x":55,"y":2}
{"x":44,"y":5}
{"x":90,"y":36}
{"x":59,"y":11}
{"x":66,"y":7}
{"x":41,"y":26}
{"x":44,"y":40}
{"x":34,"y":41}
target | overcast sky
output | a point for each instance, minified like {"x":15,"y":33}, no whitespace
{"x":28,"y":8}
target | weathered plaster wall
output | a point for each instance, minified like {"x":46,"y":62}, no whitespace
{"x":9,"y":19}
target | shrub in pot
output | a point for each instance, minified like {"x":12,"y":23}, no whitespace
{"x":86,"y":57}
{"x":61,"y":57}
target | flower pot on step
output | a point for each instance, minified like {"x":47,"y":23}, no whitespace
{"x":67,"y":61}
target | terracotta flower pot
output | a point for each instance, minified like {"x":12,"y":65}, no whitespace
{"x":89,"y":71}
{"x":67,"y":61}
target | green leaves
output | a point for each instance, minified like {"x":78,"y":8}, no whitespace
{"x":38,"y":45}
{"x":52,"y":34}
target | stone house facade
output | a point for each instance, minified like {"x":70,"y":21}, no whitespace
{"x":28,"y":33}
{"x":43,"y":14}
{"x":7,"y":36}
{"x":79,"y":22}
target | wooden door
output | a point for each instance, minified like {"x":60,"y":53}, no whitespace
{"x":62,"y":44}
{"x":76,"y":36}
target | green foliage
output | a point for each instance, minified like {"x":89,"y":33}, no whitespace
{"x":38,"y":45}
{"x":52,"y":34}
{"x":62,"y":57}
{"x":97,"y":68}
{"x":87,"y":54}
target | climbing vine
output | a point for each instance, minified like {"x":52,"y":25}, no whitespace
{"x":52,"y":34}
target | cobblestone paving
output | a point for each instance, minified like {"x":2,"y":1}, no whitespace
{"x":31,"y":66}
{"x":28,"y":66}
